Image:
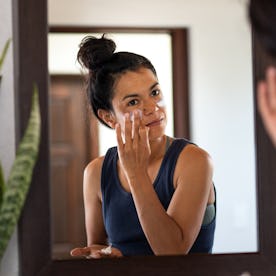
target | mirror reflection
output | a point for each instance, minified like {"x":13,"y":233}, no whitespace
{"x":74,"y":131}
{"x":221,"y":122}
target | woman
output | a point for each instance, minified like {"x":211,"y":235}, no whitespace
{"x":152,"y":194}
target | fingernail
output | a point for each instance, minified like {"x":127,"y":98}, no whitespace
{"x":131,"y":116}
{"x":138,"y":112}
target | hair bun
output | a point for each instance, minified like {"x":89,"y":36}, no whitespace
{"x":94,"y":52}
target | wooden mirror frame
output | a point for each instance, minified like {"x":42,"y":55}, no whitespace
{"x":30,"y":55}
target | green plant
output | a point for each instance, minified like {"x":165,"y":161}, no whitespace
{"x":2,"y":58}
{"x":16,"y":189}
{"x":4,"y":53}
{"x":2,"y":184}
{"x":14,"y":192}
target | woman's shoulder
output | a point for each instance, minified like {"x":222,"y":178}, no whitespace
{"x":193,"y":164}
{"x":94,"y":167}
{"x":92,"y":177}
{"x":194,"y":155}
{"x":195,"y":150}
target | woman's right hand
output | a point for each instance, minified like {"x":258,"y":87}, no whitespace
{"x":135,"y":151}
{"x":96,"y":251}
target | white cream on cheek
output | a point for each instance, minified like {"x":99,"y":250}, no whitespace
{"x":131,"y":114}
{"x":161,"y":103}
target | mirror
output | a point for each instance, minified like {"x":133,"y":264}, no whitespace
{"x":212,"y":97}
{"x":74,"y":129}
{"x":220,"y":102}
{"x":34,"y":235}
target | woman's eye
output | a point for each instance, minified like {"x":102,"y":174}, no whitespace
{"x":132,"y":102}
{"x":155,"y":92}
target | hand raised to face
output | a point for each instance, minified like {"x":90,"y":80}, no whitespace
{"x":134,"y":152}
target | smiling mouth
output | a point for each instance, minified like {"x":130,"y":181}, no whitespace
{"x":154,"y":123}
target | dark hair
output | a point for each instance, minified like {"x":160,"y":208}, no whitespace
{"x":262,"y":14}
{"x":105,"y":66}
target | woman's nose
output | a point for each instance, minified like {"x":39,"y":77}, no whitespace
{"x":150,"y":107}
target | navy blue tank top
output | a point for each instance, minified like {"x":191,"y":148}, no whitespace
{"x":120,"y":217}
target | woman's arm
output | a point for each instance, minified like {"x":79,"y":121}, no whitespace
{"x":95,"y":231}
{"x":174,"y":231}
{"x":94,"y":225}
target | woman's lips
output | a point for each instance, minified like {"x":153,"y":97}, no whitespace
{"x":154,"y":123}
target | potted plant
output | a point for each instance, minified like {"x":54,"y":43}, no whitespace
{"x":13,"y":192}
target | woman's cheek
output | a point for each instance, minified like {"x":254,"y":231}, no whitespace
{"x":161,"y":103}
{"x":131,"y":114}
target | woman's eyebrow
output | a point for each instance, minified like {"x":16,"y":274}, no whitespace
{"x":155,"y":84}
{"x":136,"y":94}
{"x":130,"y":96}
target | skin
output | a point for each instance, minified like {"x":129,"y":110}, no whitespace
{"x":141,"y":148}
{"x":267,"y":102}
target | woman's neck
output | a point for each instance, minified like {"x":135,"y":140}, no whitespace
{"x":158,"y":148}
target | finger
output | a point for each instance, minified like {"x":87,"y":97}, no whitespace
{"x":144,"y":135}
{"x":271,"y":83}
{"x":135,"y":126}
{"x":119,"y":138}
{"x":95,"y":255}
{"x":112,"y":255}
{"x":80,"y":251}
{"x":128,"y":129}
{"x":115,"y":253}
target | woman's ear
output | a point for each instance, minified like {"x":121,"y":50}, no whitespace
{"x":107,"y":117}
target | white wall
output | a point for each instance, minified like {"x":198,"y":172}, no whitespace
{"x":9,"y":263}
{"x":221,"y":92}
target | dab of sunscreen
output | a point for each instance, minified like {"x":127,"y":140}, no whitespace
{"x":161,"y":103}
{"x":107,"y":250}
{"x":131,"y":114}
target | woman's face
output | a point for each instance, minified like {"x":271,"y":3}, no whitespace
{"x":140,"y":90}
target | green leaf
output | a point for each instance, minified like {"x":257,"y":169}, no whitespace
{"x":4,"y":52}
{"x":21,"y":175}
{"x":2,"y":184}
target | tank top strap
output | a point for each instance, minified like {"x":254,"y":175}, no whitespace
{"x":164,"y":181}
{"x":173,"y":153}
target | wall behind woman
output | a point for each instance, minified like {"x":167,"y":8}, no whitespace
{"x":221,"y":97}
{"x":9,"y":263}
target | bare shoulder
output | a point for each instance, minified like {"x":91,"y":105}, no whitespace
{"x":92,"y":177}
{"x":94,"y":168}
{"x":194,"y":155}
{"x":193,"y":162}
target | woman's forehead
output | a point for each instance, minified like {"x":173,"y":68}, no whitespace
{"x":135,"y":81}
